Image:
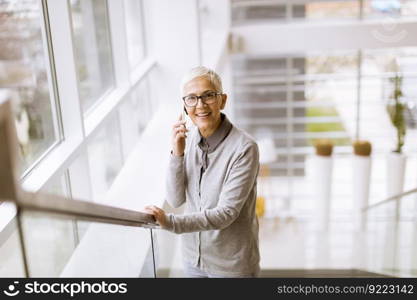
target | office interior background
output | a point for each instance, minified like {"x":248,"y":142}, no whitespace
{"x":93,"y":87}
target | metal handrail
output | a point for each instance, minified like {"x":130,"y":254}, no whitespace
{"x":389,"y":199}
{"x":88,"y":211}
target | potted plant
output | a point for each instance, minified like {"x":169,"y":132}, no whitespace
{"x":396,"y":159}
{"x":396,"y":110}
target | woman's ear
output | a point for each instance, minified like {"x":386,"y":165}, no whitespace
{"x":224,"y":99}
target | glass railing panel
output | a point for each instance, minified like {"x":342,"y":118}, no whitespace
{"x":106,"y":250}
{"x":11,"y":259}
{"x":49,"y":243}
{"x":381,"y":239}
{"x":407,"y":237}
{"x":168,"y":254}
{"x":391,"y":238}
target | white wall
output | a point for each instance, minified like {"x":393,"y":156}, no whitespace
{"x":172,"y":32}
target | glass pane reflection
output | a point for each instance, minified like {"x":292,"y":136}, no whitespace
{"x":105,"y":158}
{"x":106,"y":250}
{"x":134,"y":32}
{"x":23,"y":74}
{"x":92,"y":49}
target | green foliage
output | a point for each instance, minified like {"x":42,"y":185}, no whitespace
{"x":396,"y":112}
{"x":325,"y":127}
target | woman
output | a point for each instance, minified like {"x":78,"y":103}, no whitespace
{"x":214,"y":173}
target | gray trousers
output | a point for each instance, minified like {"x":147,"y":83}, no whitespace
{"x":196,"y":272}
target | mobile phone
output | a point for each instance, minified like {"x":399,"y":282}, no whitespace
{"x":188,"y":122}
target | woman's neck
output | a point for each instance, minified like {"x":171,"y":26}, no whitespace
{"x":206,"y":132}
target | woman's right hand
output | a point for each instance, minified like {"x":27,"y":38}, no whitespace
{"x":179,"y":134}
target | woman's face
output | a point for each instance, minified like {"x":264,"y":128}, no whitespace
{"x":205,"y":116}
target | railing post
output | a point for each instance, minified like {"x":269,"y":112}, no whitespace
{"x":9,"y":184}
{"x":153,"y":253}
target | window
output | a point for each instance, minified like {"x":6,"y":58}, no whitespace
{"x":133,"y":117}
{"x":323,"y":10}
{"x":244,"y":13}
{"x":389,"y":8}
{"x":134,"y":31}
{"x":105,"y":158}
{"x":92,"y":46}
{"x":298,"y":99}
{"x":24,"y":74}
{"x":332,"y":10}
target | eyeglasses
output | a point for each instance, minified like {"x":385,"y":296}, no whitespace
{"x":206,"y":98}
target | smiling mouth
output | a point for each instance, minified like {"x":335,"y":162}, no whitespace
{"x":203,"y":115}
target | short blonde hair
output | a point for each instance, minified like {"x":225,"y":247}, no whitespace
{"x":202,"y":71}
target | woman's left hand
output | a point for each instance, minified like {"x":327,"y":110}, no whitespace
{"x":159,"y":215}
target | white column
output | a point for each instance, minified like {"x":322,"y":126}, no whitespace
{"x":361,"y":182}
{"x":395,"y":173}
{"x":323,"y":170}
{"x":395,"y":184}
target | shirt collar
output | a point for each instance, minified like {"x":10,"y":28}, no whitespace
{"x":217,"y":137}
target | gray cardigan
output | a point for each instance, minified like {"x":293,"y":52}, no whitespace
{"x":219,"y":228}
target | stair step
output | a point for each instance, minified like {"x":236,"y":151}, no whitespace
{"x":317,"y":273}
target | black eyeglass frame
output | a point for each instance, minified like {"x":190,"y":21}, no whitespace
{"x":200,"y":97}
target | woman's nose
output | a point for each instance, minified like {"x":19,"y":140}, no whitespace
{"x":200,"y":103}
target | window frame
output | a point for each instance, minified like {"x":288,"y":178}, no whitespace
{"x":136,"y":64}
{"x":76,"y":128}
